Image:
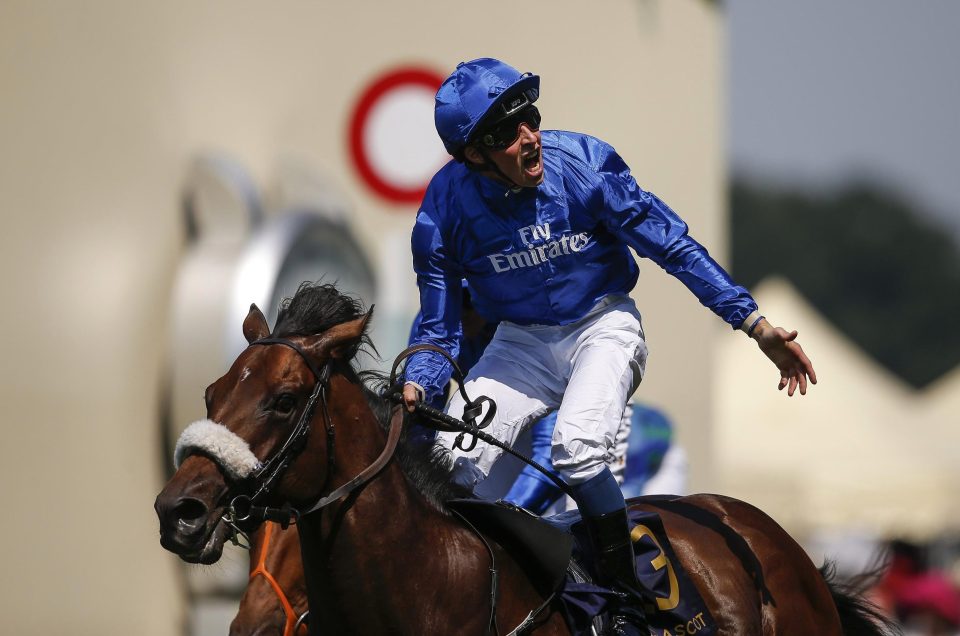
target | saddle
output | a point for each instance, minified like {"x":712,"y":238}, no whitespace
{"x":558,"y":555}
{"x":545,"y":547}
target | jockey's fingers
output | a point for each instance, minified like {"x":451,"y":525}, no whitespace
{"x":807,"y":370}
{"x":791,"y":336}
{"x":410,"y":398}
{"x":783,"y":383}
{"x":793,"y":385}
{"x":806,"y":367}
{"x":803,"y":382}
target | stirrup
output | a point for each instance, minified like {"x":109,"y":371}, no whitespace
{"x":626,"y":625}
{"x":626,"y":617}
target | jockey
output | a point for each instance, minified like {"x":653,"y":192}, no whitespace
{"x":541,"y":224}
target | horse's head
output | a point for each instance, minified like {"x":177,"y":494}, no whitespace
{"x":257,"y":426}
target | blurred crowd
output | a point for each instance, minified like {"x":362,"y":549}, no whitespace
{"x":919,"y":587}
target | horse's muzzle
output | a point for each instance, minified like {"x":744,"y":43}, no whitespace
{"x":188,"y":528}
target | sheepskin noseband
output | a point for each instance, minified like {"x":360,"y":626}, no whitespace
{"x":229,"y":449}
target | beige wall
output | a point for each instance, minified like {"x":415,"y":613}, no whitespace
{"x":102,"y":105}
{"x":862,"y":452}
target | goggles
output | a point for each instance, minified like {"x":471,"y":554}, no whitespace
{"x":506,"y":130}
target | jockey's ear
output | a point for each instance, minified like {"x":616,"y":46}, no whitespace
{"x":255,"y":325}
{"x":340,"y":341}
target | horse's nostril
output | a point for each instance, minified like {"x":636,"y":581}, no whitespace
{"x":188,"y":509}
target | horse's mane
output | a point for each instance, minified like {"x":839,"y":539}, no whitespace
{"x":426,"y":465}
{"x":317,"y":307}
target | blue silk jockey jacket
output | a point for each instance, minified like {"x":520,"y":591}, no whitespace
{"x":547,"y":255}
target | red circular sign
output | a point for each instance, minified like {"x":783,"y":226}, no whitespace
{"x":393,"y":95}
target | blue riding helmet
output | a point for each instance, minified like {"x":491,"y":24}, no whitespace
{"x":479,"y":90}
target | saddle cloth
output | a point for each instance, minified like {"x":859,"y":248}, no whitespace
{"x":672,"y":604}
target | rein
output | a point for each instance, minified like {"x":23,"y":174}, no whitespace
{"x":471,"y":408}
{"x":292,"y":622}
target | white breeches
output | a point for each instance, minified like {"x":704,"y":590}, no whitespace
{"x":587,"y":369}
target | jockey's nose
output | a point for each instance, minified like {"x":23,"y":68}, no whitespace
{"x":527,"y":136}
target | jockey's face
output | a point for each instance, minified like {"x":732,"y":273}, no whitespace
{"x":521,"y":161}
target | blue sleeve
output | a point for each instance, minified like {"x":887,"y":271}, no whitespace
{"x":656,"y":232}
{"x":438,"y":279}
{"x":414,"y":329}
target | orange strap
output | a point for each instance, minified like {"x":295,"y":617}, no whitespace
{"x":261,"y":569}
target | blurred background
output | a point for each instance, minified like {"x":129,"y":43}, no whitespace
{"x":163,"y":165}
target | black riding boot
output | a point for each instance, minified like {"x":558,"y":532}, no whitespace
{"x":611,"y":537}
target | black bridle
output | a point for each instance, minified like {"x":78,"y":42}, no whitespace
{"x":243,"y":509}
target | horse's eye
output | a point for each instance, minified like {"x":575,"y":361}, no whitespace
{"x":285,"y":404}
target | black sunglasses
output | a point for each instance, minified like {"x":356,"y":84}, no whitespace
{"x":506,"y":131}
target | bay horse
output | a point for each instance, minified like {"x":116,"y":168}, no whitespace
{"x":382,"y":552}
{"x":275,"y":601}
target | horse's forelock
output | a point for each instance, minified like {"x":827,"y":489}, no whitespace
{"x":315,"y":308}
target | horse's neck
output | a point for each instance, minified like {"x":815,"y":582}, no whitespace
{"x":362,"y":558}
{"x":388,"y":502}
{"x":386,"y":527}
{"x":275,"y":550}
{"x":275,"y":555}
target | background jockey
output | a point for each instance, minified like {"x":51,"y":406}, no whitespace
{"x":646,"y":461}
{"x":541,"y":227}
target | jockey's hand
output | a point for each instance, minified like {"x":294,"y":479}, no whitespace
{"x":784,"y":351}
{"x":412,"y":394}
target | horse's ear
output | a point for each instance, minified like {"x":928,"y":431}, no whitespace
{"x":255,"y":325}
{"x":340,"y":341}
